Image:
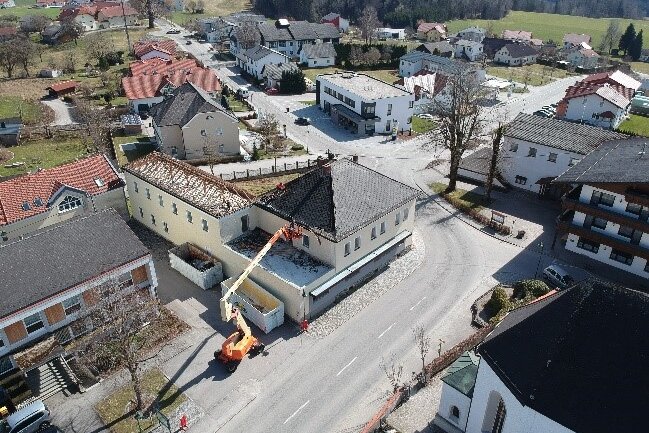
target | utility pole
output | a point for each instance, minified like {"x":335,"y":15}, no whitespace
{"x":128,"y":37}
{"x":536,"y":273}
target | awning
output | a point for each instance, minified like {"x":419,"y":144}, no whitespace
{"x":545,"y":180}
{"x":352,"y":115}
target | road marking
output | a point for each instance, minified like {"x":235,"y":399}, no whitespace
{"x":296,"y":412}
{"x":389,"y":327}
{"x":418,"y":302}
{"x":350,"y":363}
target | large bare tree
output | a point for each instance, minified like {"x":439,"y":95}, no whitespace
{"x":460,"y":122}
{"x":117,"y":318}
{"x":368,"y":23}
{"x":611,"y":37}
{"x":97,"y":128}
{"x":247,"y":35}
{"x":423,"y":343}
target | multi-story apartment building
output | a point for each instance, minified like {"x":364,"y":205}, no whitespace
{"x":364,"y":104}
{"x":605,"y":215}
{"x":287,"y":37}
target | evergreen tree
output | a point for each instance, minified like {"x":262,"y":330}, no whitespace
{"x":627,"y":39}
{"x":636,"y":48}
{"x":293,"y":82}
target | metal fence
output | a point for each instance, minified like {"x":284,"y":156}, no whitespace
{"x":276,"y":169}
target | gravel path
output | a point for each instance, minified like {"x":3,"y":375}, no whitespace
{"x":372,"y":290}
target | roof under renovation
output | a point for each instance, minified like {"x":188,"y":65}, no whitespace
{"x":190,"y":184}
{"x":337,"y":199}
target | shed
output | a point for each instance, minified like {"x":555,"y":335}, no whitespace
{"x":62,"y":88}
{"x":132,"y":123}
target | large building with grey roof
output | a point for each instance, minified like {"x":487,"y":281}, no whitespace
{"x":364,"y":104}
{"x":536,"y":150}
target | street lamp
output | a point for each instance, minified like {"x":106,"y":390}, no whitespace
{"x":538,"y":263}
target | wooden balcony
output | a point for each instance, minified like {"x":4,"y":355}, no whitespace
{"x":602,"y":238}
{"x":570,"y":204}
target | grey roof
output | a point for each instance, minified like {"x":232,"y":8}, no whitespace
{"x":520,"y":50}
{"x":271,"y":33}
{"x":330,"y":16}
{"x":298,"y":31}
{"x":559,"y":134}
{"x":185,"y":102}
{"x":338,"y":204}
{"x":462,"y":374}
{"x":302,"y":30}
{"x":62,"y":256}
{"x":12,"y":126}
{"x":477,"y":162}
{"x":274,"y":71}
{"x":317,"y":51}
{"x":430,"y":47}
{"x":259,"y":52}
{"x":445,"y":63}
{"x":363,"y":85}
{"x":325,"y":30}
{"x":619,"y":161}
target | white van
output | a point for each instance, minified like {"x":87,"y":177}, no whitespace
{"x":30,"y":419}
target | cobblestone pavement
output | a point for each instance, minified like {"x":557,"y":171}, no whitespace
{"x":417,"y":414}
{"x":355,"y":302}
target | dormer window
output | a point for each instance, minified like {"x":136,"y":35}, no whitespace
{"x":26,"y":206}
{"x":69,"y":203}
{"x":38,"y":202}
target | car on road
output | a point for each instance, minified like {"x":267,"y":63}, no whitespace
{"x":188,"y":43}
{"x":558,"y":276}
{"x":173,"y":32}
{"x":302,"y":121}
{"x":30,"y":419}
{"x":244,"y":93}
{"x":272,"y":91}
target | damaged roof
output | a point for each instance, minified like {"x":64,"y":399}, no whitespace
{"x":190,"y":184}
{"x":337,"y":199}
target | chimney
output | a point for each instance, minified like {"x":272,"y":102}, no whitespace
{"x":355,"y":158}
{"x":326,"y":170}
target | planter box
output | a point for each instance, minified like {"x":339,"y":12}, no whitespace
{"x":196,"y":265}
{"x":256,"y":304}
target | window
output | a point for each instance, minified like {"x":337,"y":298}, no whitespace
{"x":38,"y":202}
{"x":244,"y":223}
{"x":587,"y":245}
{"x":190,"y":218}
{"x":5,"y":364}
{"x":411,"y":104}
{"x":204,"y":225}
{"x":165,"y":227}
{"x":513,"y":147}
{"x":532,"y":152}
{"x":152,"y":219}
{"x":373,"y":236}
{"x":397,"y":218}
{"x":99,"y":182}
{"x":405,"y":213}
{"x":348,"y":249}
{"x":69,"y":203}
{"x":573,"y":161}
{"x":33,"y":323}
{"x":357,"y":243}
{"x":26,"y":205}
{"x":135,"y":187}
{"x":599,"y":197}
{"x":633,"y":208}
{"x":520,"y":180}
{"x":174,"y":208}
{"x":72,"y":305}
{"x":625,"y":231}
{"x":141,"y":213}
{"x":600,"y":223}
{"x":305,"y":241}
{"x":389,"y":109}
{"x":203,"y":133}
{"x":455,"y":413}
{"x":161,"y":201}
{"x":552,"y":157}
{"x":382,"y":227}
{"x":148,"y":193}
{"x":622,"y":257}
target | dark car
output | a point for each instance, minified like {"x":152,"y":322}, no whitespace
{"x":173,"y":32}
{"x":188,"y":43}
{"x":302,"y":121}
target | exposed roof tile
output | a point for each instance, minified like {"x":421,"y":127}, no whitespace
{"x":167,"y":46}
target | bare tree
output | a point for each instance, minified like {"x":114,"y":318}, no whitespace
{"x":190,"y":6}
{"x":611,"y":37}
{"x":372,"y":56}
{"x":386,"y":53}
{"x":459,"y":118}
{"x":393,"y":371}
{"x":117,"y":319}
{"x":33,"y":23}
{"x":97,"y":46}
{"x":493,"y":163}
{"x":97,"y":137}
{"x":150,"y":9}
{"x":72,"y":29}
{"x":70,"y":62}
{"x":247,"y":35}
{"x":25,"y":50}
{"x":422,"y":342}
{"x":8,"y":58}
{"x":200,"y":6}
{"x":356,"y":55}
{"x":368,"y":23}
{"x":268,"y":128}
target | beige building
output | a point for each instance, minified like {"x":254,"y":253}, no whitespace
{"x":190,"y":124}
{"x":34,"y":201}
{"x":432,"y":32}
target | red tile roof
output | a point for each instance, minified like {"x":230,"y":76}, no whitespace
{"x":615,"y":93}
{"x":161,"y":66}
{"x":63,"y":85}
{"x":116,"y":11}
{"x":426,"y":27}
{"x":44,"y":184}
{"x":143,"y":86}
{"x":613,"y":78}
{"x":143,"y":47}
{"x":149,"y":86}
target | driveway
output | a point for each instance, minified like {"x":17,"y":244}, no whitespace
{"x":62,"y":111}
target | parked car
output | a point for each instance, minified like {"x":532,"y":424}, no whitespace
{"x":425,"y":116}
{"x":188,"y":43}
{"x":30,"y":419}
{"x":272,"y":91}
{"x":173,"y":32}
{"x":302,"y":121}
{"x":542,"y":113}
{"x":558,"y":276}
{"x":244,"y":93}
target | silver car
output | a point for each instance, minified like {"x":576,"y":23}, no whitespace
{"x":558,"y":276}
{"x":30,"y":419}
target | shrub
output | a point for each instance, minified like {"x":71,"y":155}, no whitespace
{"x":530,"y":288}
{"x":498,"y":302}
{"x":296,"y":147}
{"x":255,"y":153}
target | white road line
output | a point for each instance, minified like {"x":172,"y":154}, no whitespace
{"x":418,"y":302}
{"x":350,"y":363}
{"x":389,"y":327}
{"x":296,"y":412}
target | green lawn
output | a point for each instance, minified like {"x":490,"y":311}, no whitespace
{"x":112,"y":409}
{"x":548,"y":26}
{"x":536,"y":75}
{"x":24,"y":7}
{"x":420,"y":125}
{"x":236,"y":105}
{"x":307,"y":102}
{"x":468,"y":198}
{"x":636,"y":124}
{"x":213,"y":8}
{"x":311,"y":73}
{"x":44,"y":153}
{"x":144,"y":147}
{"x":14,"y":106}
{"x":641,"y":67}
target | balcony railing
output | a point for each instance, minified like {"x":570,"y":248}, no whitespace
{"x":636,"y":196}
{"x":601,"y":212}
{"x":601,"y":238}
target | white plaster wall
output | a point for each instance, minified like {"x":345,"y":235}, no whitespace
{"x":519,"y":418}
{"x":258,"y":66}
{"x":401,"y":112}
{"x":219,"y":129}
{"x":583,"y":109}
{"x":452,"y":397}
{"x":148,"y":101}
{"x":406,"y":68}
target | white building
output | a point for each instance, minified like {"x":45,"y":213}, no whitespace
{"x":476,"y":34}
{"x":537,"y":371}
{"x":318,"y":55}
{"x":416,"y":61}
{"x":253,"y":60}
{"x":364,"y":104}
{"x":390,"y":33}
{"x":516,"y":55}
{"x":117,"y":16}
{"x":469,"y":50}
{"x":288,"y":37}
{"x":605,"y":215}
{"x":583,"y":58}
{"x":536,"y":150}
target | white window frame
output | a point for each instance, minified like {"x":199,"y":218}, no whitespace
{"x":174,"y":208}
{"x":76,"y":306}
{"x":204,"y":225}
{"x":305,"y":241}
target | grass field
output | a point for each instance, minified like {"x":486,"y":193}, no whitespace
{"x":112,"y":409}
{"x":387,"y":75}
{"x":14,"y":106}
{"x":548,"y":26}
{"x":213,"y":8}
{"x":536,"y":75}
{"x":44,"y":153}
{"x":468,"y":198}
{"x":260,"y":186}
{"x":420,"y":125}
{"x":641,"y":67}
{"x":636,"y":124}
{"x":24,"y":7}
